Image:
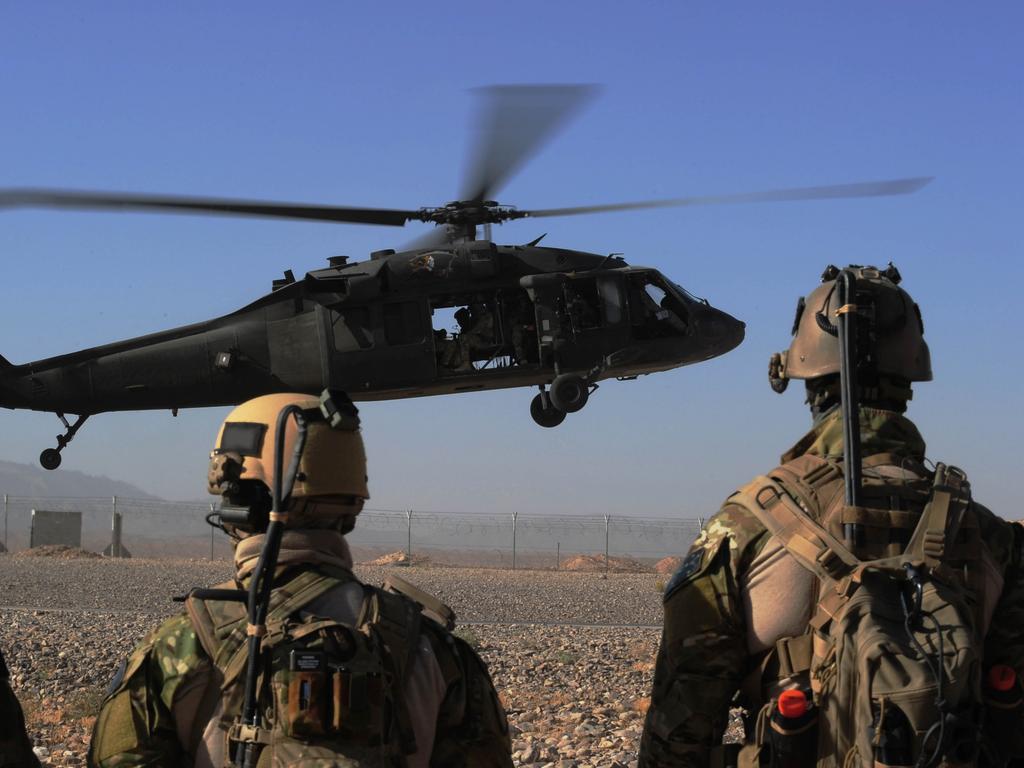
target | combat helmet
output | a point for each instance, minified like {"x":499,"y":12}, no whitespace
{"x":330,"y":481}
{"x":892,"y":349}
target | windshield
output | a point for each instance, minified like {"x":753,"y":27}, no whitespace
{"x":688,"y":295}
{"x":657,"y":310}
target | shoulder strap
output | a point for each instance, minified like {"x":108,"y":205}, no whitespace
{"x":430,"y":606}
{"x":211,"y":619}
{"x":220,"y":625}
{"x":396,"y":620}
{"x":940,"y":523}
{"x":810,"y":544}
{"x":826,"y":556}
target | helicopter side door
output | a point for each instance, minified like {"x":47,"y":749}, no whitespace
{"x":580,"y":318}
{"x":381,"y":345}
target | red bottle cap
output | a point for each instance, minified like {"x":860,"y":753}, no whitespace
{"x":792,"y":704}
{"x":1001,"y":677}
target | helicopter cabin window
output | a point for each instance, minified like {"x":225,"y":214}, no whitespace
{"x":592,"y":303}
{"x":582,"y":304}
{"x":611,"y":299}
{"x":655,"y":311}
{"x":484,"y":331}
{"x":352,"y":329}
{"x":403,"y":323}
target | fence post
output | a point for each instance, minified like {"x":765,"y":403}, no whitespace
{"x":514,"y":516}
{"x":607,"y":521}
{"x":5,"y":524}
{"x":115,"y":536}
{"x":408,"y":546}
{"x":212,"y":529}
{"x":115,"y":529}
{"x":558,"y":555}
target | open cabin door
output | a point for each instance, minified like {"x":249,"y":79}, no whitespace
{"x":581,"y":319}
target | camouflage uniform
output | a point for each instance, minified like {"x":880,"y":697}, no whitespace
{"x":709,"y":648}
{"x":15,"y":747}
{"x":165,"y":702}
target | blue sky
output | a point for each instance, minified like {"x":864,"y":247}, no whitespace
{"x":367,"y":104}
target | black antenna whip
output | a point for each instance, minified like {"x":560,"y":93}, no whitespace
{"x":847,"y":316}
{"x":248,"y":747}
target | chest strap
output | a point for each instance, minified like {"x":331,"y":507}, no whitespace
{"x":220,"y":626}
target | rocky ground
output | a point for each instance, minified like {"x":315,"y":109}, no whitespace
{"x":575,"y":693}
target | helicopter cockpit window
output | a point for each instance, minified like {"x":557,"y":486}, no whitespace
{"x":403,"y":323}
{"x":352,"y":329}
{"x":655,"y":311}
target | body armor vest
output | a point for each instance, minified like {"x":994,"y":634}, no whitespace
{"x":331,"y":691}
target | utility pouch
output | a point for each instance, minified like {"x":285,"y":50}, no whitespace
{"x":306,"y":710}
{"x":358,"y":703}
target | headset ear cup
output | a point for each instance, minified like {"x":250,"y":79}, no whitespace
{"x":225,"y":474}
{"x":777,"y":372}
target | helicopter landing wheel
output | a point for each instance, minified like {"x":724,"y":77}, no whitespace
{"x":544,"y":413}
{"x":569,"y":393}
{"x":50,"y":458}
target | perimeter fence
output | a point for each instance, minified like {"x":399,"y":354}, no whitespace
{"x":150,"y":528}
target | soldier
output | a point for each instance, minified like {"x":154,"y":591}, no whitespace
{"x":15,"y":746}
{"x":769,"y":605}
{"x":356,"y":675}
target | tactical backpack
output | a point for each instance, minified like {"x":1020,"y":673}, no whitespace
{"x":332,"y":693}
{"x":891,"y":661}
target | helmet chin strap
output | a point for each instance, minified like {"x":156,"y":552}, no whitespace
{"x":884,"y":393}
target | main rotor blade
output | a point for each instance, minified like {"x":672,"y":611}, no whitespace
{"x":513,"y":122}
{"x":116,"y":201}
{"x":864,"y":189}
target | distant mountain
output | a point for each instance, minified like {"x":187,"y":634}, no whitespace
{"x":29,"y":480}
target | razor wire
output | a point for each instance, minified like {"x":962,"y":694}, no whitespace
{"x":165,"y":529}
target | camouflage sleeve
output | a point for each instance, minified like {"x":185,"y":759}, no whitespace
{"x":15,"y":747}
{"x":703,"y":653}
{"x":135,"y":726}
{"x":472,"y":731}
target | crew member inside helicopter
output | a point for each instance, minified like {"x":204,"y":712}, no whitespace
{"x":656,"y":313}
{"x":477,"y":332}
{"x":583,"y":305}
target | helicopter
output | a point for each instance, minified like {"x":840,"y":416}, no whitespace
{"x":527,"y":315}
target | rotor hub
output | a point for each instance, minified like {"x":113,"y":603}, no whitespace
{"x":470,"y":213}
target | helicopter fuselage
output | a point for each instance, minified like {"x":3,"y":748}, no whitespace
{"x":525,"y":315}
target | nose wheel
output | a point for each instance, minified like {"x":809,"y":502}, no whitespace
{"x":50,"y":458}
{"x":543,"y":412}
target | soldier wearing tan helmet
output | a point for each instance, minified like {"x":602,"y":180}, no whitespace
{"x":768,"y":610}
{"x":351,"y":675}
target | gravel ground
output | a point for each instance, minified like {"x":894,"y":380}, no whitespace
{"x":575,"y":694}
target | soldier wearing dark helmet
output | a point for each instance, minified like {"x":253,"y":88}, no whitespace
{"x":771,"y":609}
{"x":344,"y":674}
